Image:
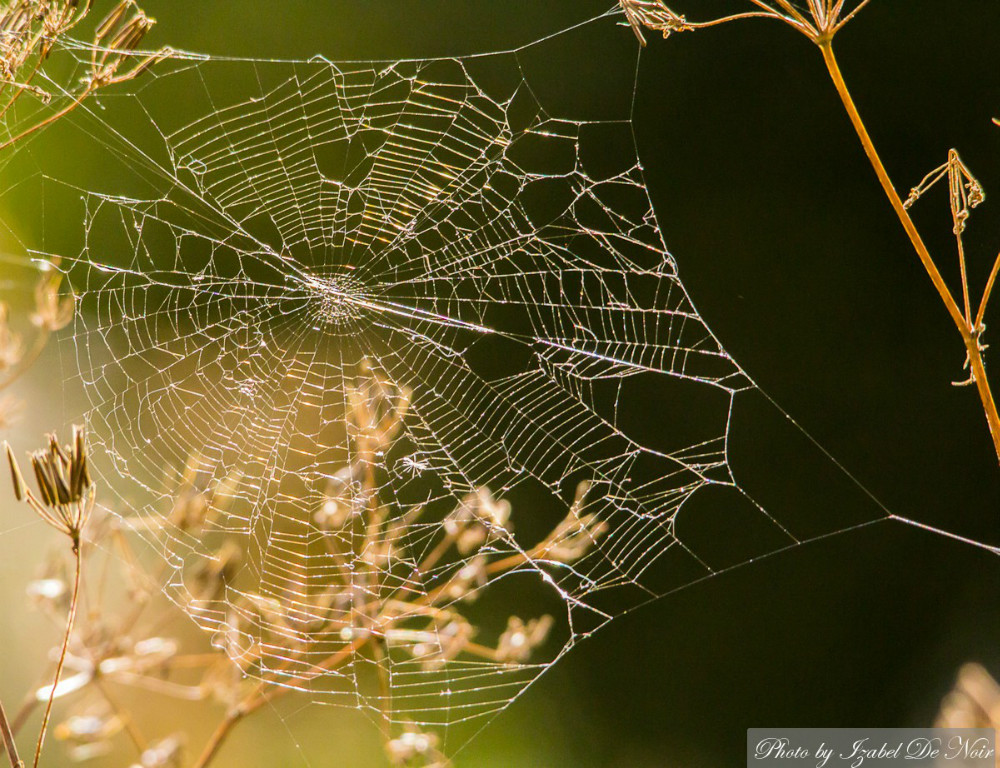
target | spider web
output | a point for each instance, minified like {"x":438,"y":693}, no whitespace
{"x":384,"y":317}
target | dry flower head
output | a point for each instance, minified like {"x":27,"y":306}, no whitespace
{"x":65,"y":490}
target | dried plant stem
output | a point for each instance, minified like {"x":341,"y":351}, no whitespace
{"x":23,"y":713}
{"x":71,"y":617}
{"x":8,"y":739}
{"x":986,"y":293}
{"x":50,"y":119}
{"x":20,"y":718}
{"x":264,"y":693}
{"x":969,"y":332}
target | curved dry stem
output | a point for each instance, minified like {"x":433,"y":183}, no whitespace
{"x":48,"y":120}
{"x":8,"y":739}
{"x":71,"y":617}
{"x":734,"y":17}
{"x":986,"y":293}
{"x":969,"y":332}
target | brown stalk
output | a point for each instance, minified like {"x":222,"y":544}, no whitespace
{"x":987,"y":291}
{"x":8,"y":740}
{"x":70,"y":619}
{"x":970,"y":335}
{"x":20,"y":718}
{"x":50,"y":119}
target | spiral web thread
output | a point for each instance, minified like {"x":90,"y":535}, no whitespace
{"x":385,"y":318}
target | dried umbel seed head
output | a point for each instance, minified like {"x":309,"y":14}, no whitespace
{"x":434,"y":648}
{"x":576,"y":534}
{"x":60,"y":16}
{"x":15,"y":35}
{"x":65,"y":494}
{"x":478,"y":519}
{"x":520,"y":639}
{"x":28,"y":31}
{"x":344,"y":498}
{"x":469,"y":580}
{"x":819,"y":20}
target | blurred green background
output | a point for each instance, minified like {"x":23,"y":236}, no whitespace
{"x":793,"y":256}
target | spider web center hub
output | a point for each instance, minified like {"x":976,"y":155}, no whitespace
{"x":335,"y":298}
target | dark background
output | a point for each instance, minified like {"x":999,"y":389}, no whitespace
{"x":791,"y":252}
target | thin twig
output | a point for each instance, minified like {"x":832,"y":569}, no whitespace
{"x":986,"y":293}
{"x":8,"y":739}
{"x":74,"y":599}
{"x":849,"y":16}
{"x":963,"y":272}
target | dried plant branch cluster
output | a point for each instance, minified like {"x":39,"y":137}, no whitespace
{"x":368,"y":545}
{"x":820,"y":20}
{"x":363,"y":535}
{"x":119,"y":643}
{"x":66,"y":494}
{"x":376,"y":603}
{"x":64,"y":500}
{"x":31,"y":29}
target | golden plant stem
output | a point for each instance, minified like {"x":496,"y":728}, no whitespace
{"x":23,"y":713}
{"x":8,"y":740}
{"x":965,"y":282}
{"x":74,"y":599}
{"x":50,"y":119}
{"x":986,"y":293}
{"x":970,"y":336}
